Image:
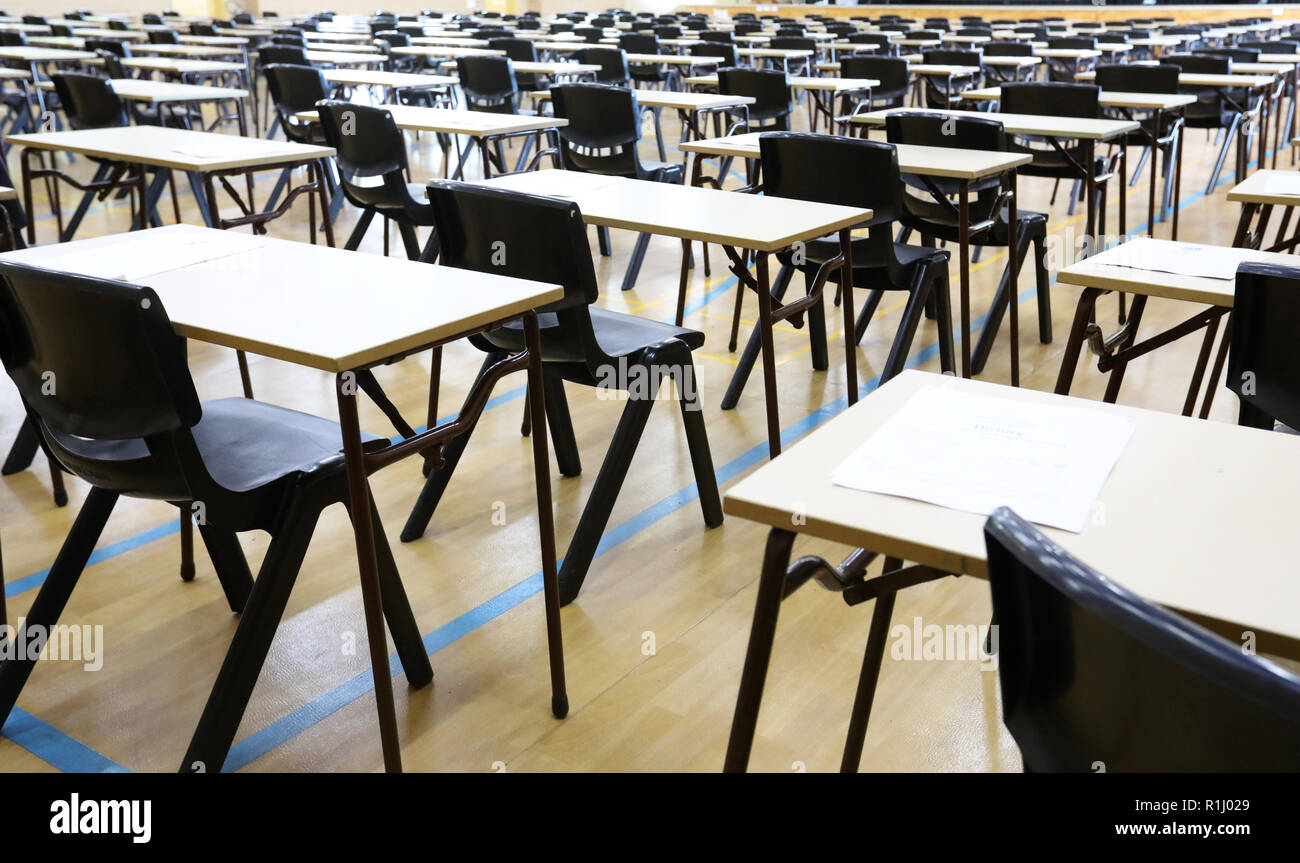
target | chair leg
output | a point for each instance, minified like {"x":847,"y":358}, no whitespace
{"x":402,"y":625}
{"x":877,"y":638}
{"x":912,"y":315}
{"x":735,"y":316}
{"x":56,"y":590}
{"x":436,"y":483}
{"x":604,"y":494}
{"x":187,"y":545}
{"x":228,"y":560}
{"x":634,"y":265}
{"x":697,"y":441}
{"x":22,"y":451}
{"x":602,"y":240}
{"x":409,"y":240}
{"x":1044,"y":289}
{"x":359,"y":232}
{"x":1006,"y":293}
{"x":226,"y":703}
{"x":941,"y":296}
{"x":817,"y":333}
{"x":865,"y":316}
{"x":558,"y":418}
{"x":750,"y":355}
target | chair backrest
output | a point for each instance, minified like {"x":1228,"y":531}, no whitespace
{"x":1073,"y":43}
{"x":639,"y":43}
{"x":891,"y":72}
{"x":716,"y":49}
{"x":10,"y":39}
{"x":366,"y":138}
{"x":1132,"y":78}
{"x":929,"y":129}
{"x":747,"y":28}
{"x":202,"y":30}
{"x":1199,"y":64}
{"x":116,"y":47}
{"x":1009,"y":48}
{"x":1052,"y":98}
{"x":1116,"y":38}
{"x":93,"y":358}
{"x":282,"y":54}
{"x":516,"y":49}
{"x":951,"y":57}
{"x":88,"y":101}
{"x":1090,"y":672}
{"x":545,"y":239}
{"x":1262,"y":367}
{"x":716,"y":36}
{"x":1237,"y":54}
{"x":488,"y":82}
{"x":768,"y":87}
{"x":603,"y":128}
{"x":833,"y":169}
{"x":792,"y":43}
{"x":295,"y":40}
{"x":150,"y":18}
{"x":975,"y":31}
{"x":293,"y":89}
{"x":164,"y":37}
{"x":612,"y":62}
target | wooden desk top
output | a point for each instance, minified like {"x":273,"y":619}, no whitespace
{"x":101,"y":33}
{"x":676,"y":99}
{"x":1192,"y":514}
{"x":452,"y":41}
{"x":156,"y":92}
{"x":449,"y":121}
{"x":943,"y":69}
{"x":179,"y":149}
{"x":1098,"y":272}
{"x":445,"y":51}
{"x":340,"y":311}
{"x":377,"y":78}
{"x":1011,"y":61}
{"x":1197,"y":79}
{"x":539,"y":67}
{"x":1026,"y":124}
{"x":688,"y":212}
{"x":775,"y":53}
{"x":677,"y":59}
{"x":912,"y":159}
{"x":1109,"y":98}
{"x":800,"y":82}
{"x":191,"y":51}
{"x":1068,"y":53}
{"x":333,"y":48}
{"x":1268,"y":187}
{"x":344,"y":58}
{"x":181,"y":65}
{"x":235,"y":41}
{"x":28,"y":54}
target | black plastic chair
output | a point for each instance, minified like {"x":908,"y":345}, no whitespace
{"x":164,"y":37}
{"x":1007,"y":74}
{"x":794,"y":65}
{"x":525,"y":51}
{"x":1091,"y":672}
{"x":1262,"y":370}
{"x":488,"y":84}
{"x":944,"y":91}
{"x":881,"y":44}
{"x":770,"y":90}
{"x":646,"y":74}
{"x":931,"y":212}
{"x":612,"y":63}
{"x":601,"y":138}
{"x":126,"y":419}
{"x":891,"y":72}
{"x":1052,"y":98}
{"x":853,"y":172}
{"x":1215,"y":108}
{"x":723,"y":50}
{"x":1063,"y":69}
{"x":581,"y":344}
{"x":1158,"y":78}
{"x":373,"y":174}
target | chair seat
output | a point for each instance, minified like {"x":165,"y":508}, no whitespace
{"x":245,"y":445}
{"x":930,"y":217}
{"x":617,"y":334}
{"x":824,"y":248}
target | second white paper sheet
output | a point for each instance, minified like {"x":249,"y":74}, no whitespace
{"x":975,"y":453}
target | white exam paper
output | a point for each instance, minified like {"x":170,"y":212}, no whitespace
{"x":137,"y":255}
{"x":975,"y":453}
{"x":1183,"y":259}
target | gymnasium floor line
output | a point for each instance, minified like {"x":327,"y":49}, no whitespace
{"x":64,"y":749}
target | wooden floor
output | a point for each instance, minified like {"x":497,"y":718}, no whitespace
{"x":654,"y":643}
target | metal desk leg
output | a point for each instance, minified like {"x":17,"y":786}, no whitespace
{"x":363,"y":531}
{"x":771,"y":585}
{"x":769,"y":354}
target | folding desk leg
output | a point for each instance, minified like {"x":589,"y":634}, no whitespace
{"x":363,"y":529}
{"x":545,"y":518}
{"x":1157,"y":118}
{"x":869,"y":675}
{"x":963,"y":242}
{"x":850,"y":346}
{"x":769,"y":354}
{"x":771,"y":588}
{"x":196,"y":188}
{"x":1083,"y":314}
{"x":83,"y":205}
